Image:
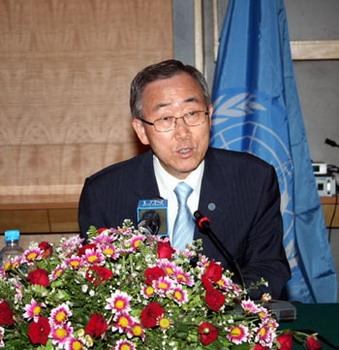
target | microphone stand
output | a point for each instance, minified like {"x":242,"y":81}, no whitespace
{"x":204,"y":226}
{"x":283,"y":310}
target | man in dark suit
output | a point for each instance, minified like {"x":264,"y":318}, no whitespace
{"x":171,"y":110}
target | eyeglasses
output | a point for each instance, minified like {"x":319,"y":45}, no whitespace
{"x":169,"y":123}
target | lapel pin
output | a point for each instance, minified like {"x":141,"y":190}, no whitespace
{"x":211,"y":206}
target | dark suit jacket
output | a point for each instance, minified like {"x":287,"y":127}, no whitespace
{"x":241,"y":190}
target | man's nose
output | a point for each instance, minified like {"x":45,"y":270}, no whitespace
{"x":181,"y":128}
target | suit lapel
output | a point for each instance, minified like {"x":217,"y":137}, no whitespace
{"x":146,"y":184}
{"x":216,"y":187}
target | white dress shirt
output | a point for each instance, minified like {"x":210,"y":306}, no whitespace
{"x":167,"y":183}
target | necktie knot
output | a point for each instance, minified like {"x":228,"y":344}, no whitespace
{"x":183,"y":191}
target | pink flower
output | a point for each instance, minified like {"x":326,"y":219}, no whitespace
{"x":33,"y":310}
{"x":74,"y":262}
{"x":123,"y":322}
{"x":147,"y":292}
{"x":94,"y":257}
{"x":179,"y":295}
{"x":124,"y":345}
{"x":60,"y":314}
{"x":162,"y":285}
{"x":183,"y":277}
{"x":118,"y":302}
{"x":265,"y":335}
{"x":73,"y":343}
{"x":237,"y":334}
{"x":136,"y":241}
{"x":31,"y":255}
{"x":249,"y":306}
{"x":110,"y":251}
{"x":60,"y":334}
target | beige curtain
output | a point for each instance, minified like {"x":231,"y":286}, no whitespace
{"x":65,"y":70}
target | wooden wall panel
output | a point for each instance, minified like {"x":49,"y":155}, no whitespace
{"x":65,"y":70}
{"x":25,"y":220}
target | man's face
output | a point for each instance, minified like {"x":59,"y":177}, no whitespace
{"x":181,"y":150}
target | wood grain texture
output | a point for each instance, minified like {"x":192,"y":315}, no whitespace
{"x":65,"y":71}
{"x":25,"y":220}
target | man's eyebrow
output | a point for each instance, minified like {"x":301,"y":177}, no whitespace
{"x":161,"y":105}
{"x":192,"y":99}
{"x":187,"y":100}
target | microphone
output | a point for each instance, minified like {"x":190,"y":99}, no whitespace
{"x":331,"y":143}
{"x":149,"y":223}
{"x":203,"y":224}
{"x":152,"y":217}
{"x":283,"y":310}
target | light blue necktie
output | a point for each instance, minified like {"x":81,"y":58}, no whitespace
{"x":184,"y":225}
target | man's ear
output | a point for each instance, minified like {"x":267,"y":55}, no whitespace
{"x":210,"y":112}
{"x":139,"y":129}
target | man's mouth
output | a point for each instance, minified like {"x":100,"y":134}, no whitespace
{"x":185,"y":151}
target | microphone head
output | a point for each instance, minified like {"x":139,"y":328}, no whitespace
{"x":152,"y":216}
{"x":197,"y":214}
{"x":150,"y":222}
{"x":203,"y":222}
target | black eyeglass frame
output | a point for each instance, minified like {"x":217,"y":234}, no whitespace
{"x":175,"y":118}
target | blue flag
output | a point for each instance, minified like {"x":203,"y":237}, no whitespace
{"x":257,"y":110}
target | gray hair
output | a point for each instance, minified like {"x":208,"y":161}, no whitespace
{"x":163,"y":70}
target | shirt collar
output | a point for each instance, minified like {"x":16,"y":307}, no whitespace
{"x":168,"y":182}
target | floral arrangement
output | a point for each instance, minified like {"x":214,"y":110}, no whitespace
{"x":123,"y":290}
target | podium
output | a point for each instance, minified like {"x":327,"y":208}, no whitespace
{"x":59,"y":213}
{"x":40,"y":214}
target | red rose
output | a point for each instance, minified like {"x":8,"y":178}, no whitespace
{"x":286,"y":341}
{"x":207,"y":333}
{"x":206,"y":282}
{"x":39,"y":277}
{"x":82,"y":250}
{"x":164,"y":250}
{"x":101,"y":229}
{"x":153,"y":273}
{"x":213,"y":271}
{"x":47,"y":249}
{"x":6,"y":314}
{"x":38,"y":331}
{"x":98,"y":274}
{"x":312,"y":343}
{"x":96,"y":325}
{"x":214,"y":299}
{"x":151,"y":314}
